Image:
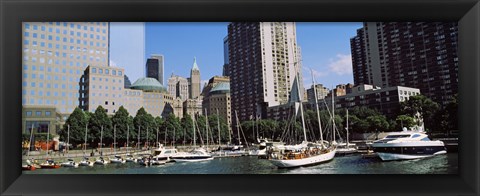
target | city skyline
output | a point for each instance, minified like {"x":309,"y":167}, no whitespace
{"x":325,"y":48}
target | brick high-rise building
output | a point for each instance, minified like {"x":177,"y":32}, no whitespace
{"x":263,"y":64}
{"x":421,"y":55}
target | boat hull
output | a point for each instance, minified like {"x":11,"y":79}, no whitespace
{"x":28,"y":167}
{"x":405,"y":151}
{"x":313,"y":160}
{"x":192,"y":159}
{"x":49,"y":166}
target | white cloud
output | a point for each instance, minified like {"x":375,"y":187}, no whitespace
{"x":341,"y":65}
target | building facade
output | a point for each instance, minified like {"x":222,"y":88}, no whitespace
{"x":322,"y":92}
{"x":55,"y":54}
{"x":415,"y":54}
{"x":263,"y":65}
{"x":104,"y":86}
{"x":40,"y":119}
{"x":178,"y":87}
{"x":384,"y":100}
{"x":216,"y":98}
{"x":226,"y":68}
{"x":192,"y":107}
{"x":154,"y":67}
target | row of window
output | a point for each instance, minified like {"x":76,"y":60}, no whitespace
{"x":41,"y":101}
{"x":106,"y":79}
{"x":48,"y":93}
{"x":48,"y":85}
{"x":107,"y":71}
{"x":26,"y":42}
{"x":58,"y":38}
{"x":38,"y":113}
{"x":50,"y":77}
{"x":72,"y":25}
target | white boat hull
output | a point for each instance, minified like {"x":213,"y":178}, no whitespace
{"x":192,"y":160}
{"x":393,"y":156}
{"x":98,"y":162}
{"x":84,"y":163}
{"x":69,"y":164}
{"x":305,"y":161}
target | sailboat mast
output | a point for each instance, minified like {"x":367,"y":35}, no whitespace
{"x":347,"y":129}
{"x":30,"y":141}
{"x":128,"y":133}
{"x":316,"y":105}
{"x":138,"y":137}
{"x":300,"y":102}
{"x":146,"y":139}
{"x":194,"y":135}
{"x":157,"y":138}
{"x":86,"y":129}
{"x":68,"y":137}
{"x":48,"y":138}
{"x":238,"y":128}
{"x":101,"y":138}
{"x":218,"y":126}
{"x":115,"y":139}
{"x":206,"y":125}
{"x":333,"y":116}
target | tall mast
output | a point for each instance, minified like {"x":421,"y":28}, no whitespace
{"x":101,"y":138}
{"x":48,"y":137}
{"x":146,"y":140}
{"x":138,"y":137}
{"x":238,"y":128}
{"x":206,"y":125}
{"x":173,"y":142}
{"x":333,"y":115}
{"x":157,"y":138}
{"x":128,"y":133}
{"x":300,"y":101}
{"x":316,"y":105}
{"x":30,"y":142}
{"x":68,"y":137}
{"x":218,"y":125}
{"x":115,"y":139}
{"x":86,"y":129}
{"x":194,"y":135}
{"x":347,"y":129}
{"x":165,"y":136}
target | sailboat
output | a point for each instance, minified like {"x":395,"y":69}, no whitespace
{"x":29,"y":163}
{"x":129,"y":158}
{"x":70,"y":162}
{"x":303,"y":154}
{"x":198,"y":154}
{"x":346,"y":148}
{"x":101,"y":160}
{"x":117,"y":158}
{"x":85,"y":161}
{"x":49,"y":163}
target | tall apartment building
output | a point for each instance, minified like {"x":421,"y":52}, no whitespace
{"x":55,"y":54}
{"x":178,"y":87}
{"x":263,"y":66}
{"x":194,"y":81}
{"x":154,"y":67}
{"x":421,"y":55}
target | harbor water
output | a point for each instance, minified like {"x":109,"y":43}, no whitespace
{"x":350,"y":164}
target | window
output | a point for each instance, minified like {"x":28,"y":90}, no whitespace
{"x":29,"y":113}
{"x":38,"y":113}
{"x":106,"y":102}
{"x":94,"y":70}
{"x":106,"y":71}
{"x":100,"y":71}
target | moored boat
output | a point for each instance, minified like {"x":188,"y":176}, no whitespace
{"x":100,"y":161}
{"x":85,"y":162}
{"x":49,"y":164}
{"x":196,"y":155}
{"x":407,"y":145}
{"x":69,"y":163}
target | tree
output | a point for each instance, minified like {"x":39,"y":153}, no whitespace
{"x":214,"y":120}
{"x":122,"y":122}
{"x":98,"y":120}
{"x":405,"y":121}
{"x":423,"y":106}
{"x":144,"y":122}
{"x":187,"y":129}
{"x":171,"y":125}
{"x":77,"y":121}
{"x":378,"y":123}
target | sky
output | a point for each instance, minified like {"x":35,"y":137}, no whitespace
{"x":325,"y":48}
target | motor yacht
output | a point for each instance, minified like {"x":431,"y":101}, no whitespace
{"x":407,"y":145}
{"x":198,"y":154}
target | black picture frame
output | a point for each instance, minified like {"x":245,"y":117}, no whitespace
{"x":14,"y":12}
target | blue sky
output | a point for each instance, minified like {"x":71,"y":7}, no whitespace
{"x":325,"y":48}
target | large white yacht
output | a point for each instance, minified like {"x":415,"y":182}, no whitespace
{"x":164,"y":154}
{"x":407,"y":145}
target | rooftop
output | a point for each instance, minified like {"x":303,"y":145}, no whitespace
{"x":147,"y":84}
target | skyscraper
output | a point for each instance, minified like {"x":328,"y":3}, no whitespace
{"x":226,"y":68}
{"x":194,"y":81}
{"x":263,"y":65}
{"x":413,"y":54}
{"x":154,"y":67}
{"x":55,"y":54}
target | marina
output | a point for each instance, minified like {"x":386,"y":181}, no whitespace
{"x":349,"y":164}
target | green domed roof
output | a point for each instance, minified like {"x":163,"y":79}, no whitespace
{"x":147,"y":84}
{"x":222,"y":87}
